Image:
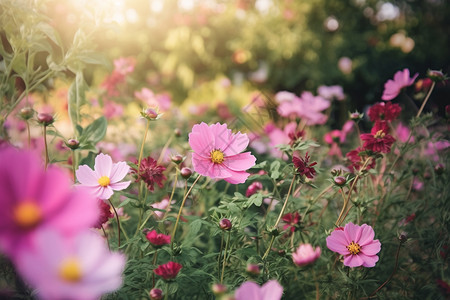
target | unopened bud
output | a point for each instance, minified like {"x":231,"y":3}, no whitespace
{"x":436,"y":76}
{"x":186,"y":173}
{"x":225,"y":224}
{"x":26,"y":113}
{"x":340,"y":181}
{"x":356,"y":116}
{"x":178,"y":159}
{"x":403,"y":237}
{"x":156,"y":294}
{"x":45,"y":119}
{"x":177,"y":132}
{"x":219,"y":289}
{"x":73,"y":144}
{"x":439,"y":169}
{"x":253,"y":269}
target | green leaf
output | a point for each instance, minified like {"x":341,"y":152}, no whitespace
{"x":274,"y":170}
{"x":95,"y":131}
{"x":77,"y":98}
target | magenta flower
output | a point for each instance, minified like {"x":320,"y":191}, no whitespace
{"x":157,"y":239}
{"x":393,"y":87}
{"x":217,"y":153}
{"x":33,"y":198}
{"x":356,"y":244}
{"x":105,"y":178}
{"x":305,"y":255}
{"x":271,"y":290}
{"x":168,"y":271}
{"x":81,"y":267}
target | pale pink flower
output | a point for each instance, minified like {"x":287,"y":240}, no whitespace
{"x":331,"y":92}
{"x":285,"y":96}
{"x":403,"y":133}
{"x":105,"y":178}
{"x":345,"y":64}
{"x":32,"y":198}
{"x":80,"y":267}
{"x":356,"y":244}
{"x":271,"y":290}
{"x":393,"y":87}
{"x":124,"y":65}
{"x":305,"y":255}
{"x":162,"y":101}
{"x":307,"y":107}
{"x":163,"y":204}
{"x":217,"y":153}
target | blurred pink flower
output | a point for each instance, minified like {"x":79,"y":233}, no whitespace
{"x":307,"y":107}
{"x":285,"y":96}
{"x":162,"y":101}
{"x":356,"y":244}
{"x":433,"y":148}
{"x":81,"y":267}
{"x":403,"y":133}
{"x":271,"y":290}
{"x":305,"y":255}
{"x":393,"y":87}
{"x":112,"y":109}
{"x":217,"y":153}
{"x":345,"y":64}
{"x":124,"y":65}
{"x":33,"y":198}
{"x":160,"y":205}
{"x":331,"y":92}
{"x":105,"y":178}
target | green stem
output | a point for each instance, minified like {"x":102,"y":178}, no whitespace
{"x":426,"y":99}
{"x":118,"y":222}
{"x":220,"y":253}
{"x":45,"y":147}
{"x":154,"y":263}
{"x":106,"y":236}
{"x":28,"y":134}
{"x":225,"y":257}
{"x":74,"y":165}
{"x":142,"y":148}
{"x":177,"y":171}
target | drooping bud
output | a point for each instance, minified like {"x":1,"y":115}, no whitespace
{"x":186,"y":173}
{"x":219,"y":289}
{"x":156,"y":294}
{"x":340,"y":180}
{"x":73,"y":144}
{"x":225,"y":224}
{"x":45,"y":119}
{"x":26,"y":113}
{"x":178,"y":159}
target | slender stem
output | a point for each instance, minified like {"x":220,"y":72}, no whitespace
{"x":220,"y":252}
{"x":315,"y":199}
{"x":279,"y":218}
{"x":118,"y":222}
{"x":28,"y":134}
{"x":164,"y":149}
{"x":45,"y":147}
{"x":177,"y":171}
{"x":106,"y":236}
{"x":225,"y":257}
{"x":181,"y":208}
{"x":74,"y":165}
{"x":142,"y":148}
{"x":426,"y":99}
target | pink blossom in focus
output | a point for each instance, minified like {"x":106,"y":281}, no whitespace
{"x":393,"y":87}
{"x":356,"y":244}
{"x":80,"y":267}
{"x":217,"y":153}
{"x":305,"y":255}
{"x":33,"y":198}
{"x":331,"y":92}
{"x":271,"y":290}
{"x":105,"y":178}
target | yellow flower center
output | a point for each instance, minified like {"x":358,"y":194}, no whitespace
{"x":27,"y":214}
{"x":217,"y":156}
{"x":104,"y":181}
{"x":380,"y":134}
{"x":354,"y":248}
{"x":70,"y":270}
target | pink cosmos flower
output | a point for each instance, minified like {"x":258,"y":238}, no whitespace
{"x":331,"y":92}
{"x":305,"y":255}
{"x":271,"y":290}
{"x":163,"y":204}
{"x":81,"y":267}
{"x":217,"y":153}
{"x":33,"y":198}
{"x":105,"y":178}
{"x":307,"y":107}
{"x":393,"y":87}
{"x":356,"y":244}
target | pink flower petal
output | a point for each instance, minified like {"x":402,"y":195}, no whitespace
{"x":237,"y":144}
{"x":352,"y":232}
{"x":369,"y":260}
{"x":367,"y":235}
{"x":105,"y":193}
{"x":240,"y":162}
{"x":237,"y":177}
{"x":372,"y":248}
{"x":337,"y":242}
{"x":201,"y":139}
{"x":201,"y":165}
{"x":248,"y":290}
{"x":353,"y":261}
{"x":222,"y":136}
{"x":118,"y":186}
{"x":119,"y":171}
{"x":271,"y":290}
{"x":86,"y":176}
{"x":103,"y":165}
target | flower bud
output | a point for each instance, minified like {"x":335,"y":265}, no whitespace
{"x":45,"y":119}
{"x":225,"y":224}
{"x":26,"y":113}
{"x":436,"y":76}
{"x":219,"y":289}
{"x":253,"y":188}
{"x":356,"y":116}
{"x":73,"y":144}
{"x":177,"y":132}
{"x":403,"y":237}
{"x":253,"y":269}
{"x":186,"y":173}
{"x":439,"y":169}
{"x":156,"y":294}
{"x":340,"y":181}
{"x":178,"y":159}
{"x":151,"y":114}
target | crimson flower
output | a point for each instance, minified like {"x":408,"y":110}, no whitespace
{"x":379,"y":139}
{"x":169,"y":270}
{"x":253,"y":188}
{"x":303,"y":166}
{"x":292,"y":220}
{"x":150,"y":172}
{"x":384,"y":111}
{"x":157,"y":239}
{"x":357,"y":159}
{"x":105,"y":213}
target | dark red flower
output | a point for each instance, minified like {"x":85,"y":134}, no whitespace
{"x":157,"y":239}
{"x":303,"y":166}
{"x":292,"y":221}
{"x":169,"y":270}
{"x":379,"y":139}
{"x":150,"y":172}
{"x":105,"y":214}
{"x":253,"y":188}
{"x":384,"y":111}
{"x":357,"y":160}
